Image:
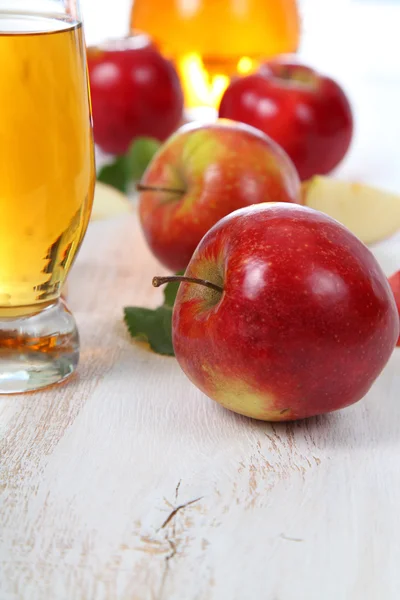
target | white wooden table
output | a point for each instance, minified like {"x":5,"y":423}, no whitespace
{"x":127,"y":483}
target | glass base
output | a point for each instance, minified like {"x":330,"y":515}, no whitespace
{"x":37,"y":350}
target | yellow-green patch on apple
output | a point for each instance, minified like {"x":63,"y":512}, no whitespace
{"x":370,"y":213}
{"x":241,"y":398}
{"x":305,"y":320}
{"x":108,"y":202}
{"x":201,"y":174}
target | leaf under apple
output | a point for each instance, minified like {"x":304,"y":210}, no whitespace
{"x":129,"y":167}
{"x":154,"y":326}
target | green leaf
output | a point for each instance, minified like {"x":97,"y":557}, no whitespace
{"x":115,"y":174}
{"x":130,"y":166}
{"x":152,"y":326}
{"x":170,"y":291}
{"x":139,"y":156}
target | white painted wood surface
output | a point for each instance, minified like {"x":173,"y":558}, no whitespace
{"x":127,"y":483}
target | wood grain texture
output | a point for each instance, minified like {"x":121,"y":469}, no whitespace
{"x":128,"y":483}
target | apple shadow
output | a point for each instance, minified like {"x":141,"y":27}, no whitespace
{"x":313,"y":427}
{"x":374,"y":420}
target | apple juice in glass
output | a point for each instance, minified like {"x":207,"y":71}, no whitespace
{"x":212,"y":40}
{"x":46,"y":187}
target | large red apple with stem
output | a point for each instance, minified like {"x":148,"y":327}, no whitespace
{"x":307,"y":113}
{"x":285,"y":314}
{"x":394,"y":281}
{"x":135,"y":92}
{"x":202,"y":173}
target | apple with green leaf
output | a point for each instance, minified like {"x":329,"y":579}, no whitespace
{"x":202,"y":173}
{"x":283,"y":314}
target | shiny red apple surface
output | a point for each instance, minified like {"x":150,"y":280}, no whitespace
{"x":394,"y":281}
{"x":305,"y":112}
{"x":305,"y":320}
{"x":135,"y":92}
{"x":202,"y":173}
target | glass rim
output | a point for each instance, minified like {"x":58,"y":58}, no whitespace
{"x":15,"y":11}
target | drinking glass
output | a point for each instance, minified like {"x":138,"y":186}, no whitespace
{"x":211,"y":41}
{"x":47,"y":179}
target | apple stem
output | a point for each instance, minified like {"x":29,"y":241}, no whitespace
{"x":140,"y":187}
{"x":157,"y":281}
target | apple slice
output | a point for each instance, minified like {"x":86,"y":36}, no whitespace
{"x":394,"y":281}
{"x":371,"y":214}
{"x":108,"y":202}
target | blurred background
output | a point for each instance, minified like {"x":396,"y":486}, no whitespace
{"x":354,"y":41}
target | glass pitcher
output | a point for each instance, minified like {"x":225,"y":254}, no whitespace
{"x":212,"y":40}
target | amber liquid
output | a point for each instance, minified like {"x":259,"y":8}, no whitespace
{"x":46,"y":158}
{"x":211,"y":40}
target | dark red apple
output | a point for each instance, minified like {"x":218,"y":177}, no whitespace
{"x":135,"y":92}
{"x":300,"y":319}
{"x":394,"y":281}
{"x":202,"y":173}
{"x":307,"y":113}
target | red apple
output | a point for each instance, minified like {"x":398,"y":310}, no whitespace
{"x":201,"y":174}
{"x":135,"y":92}
{"x":301,"y":321}
{"x":394,"y":281}
{"x":307,"y":113}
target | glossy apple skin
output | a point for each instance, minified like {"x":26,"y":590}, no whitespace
{"x":311,"y":119}
{"x":135,"y":92}
{"x":220,"y":167}
{"x":394,"y":281}
{"x":305,"y":324}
